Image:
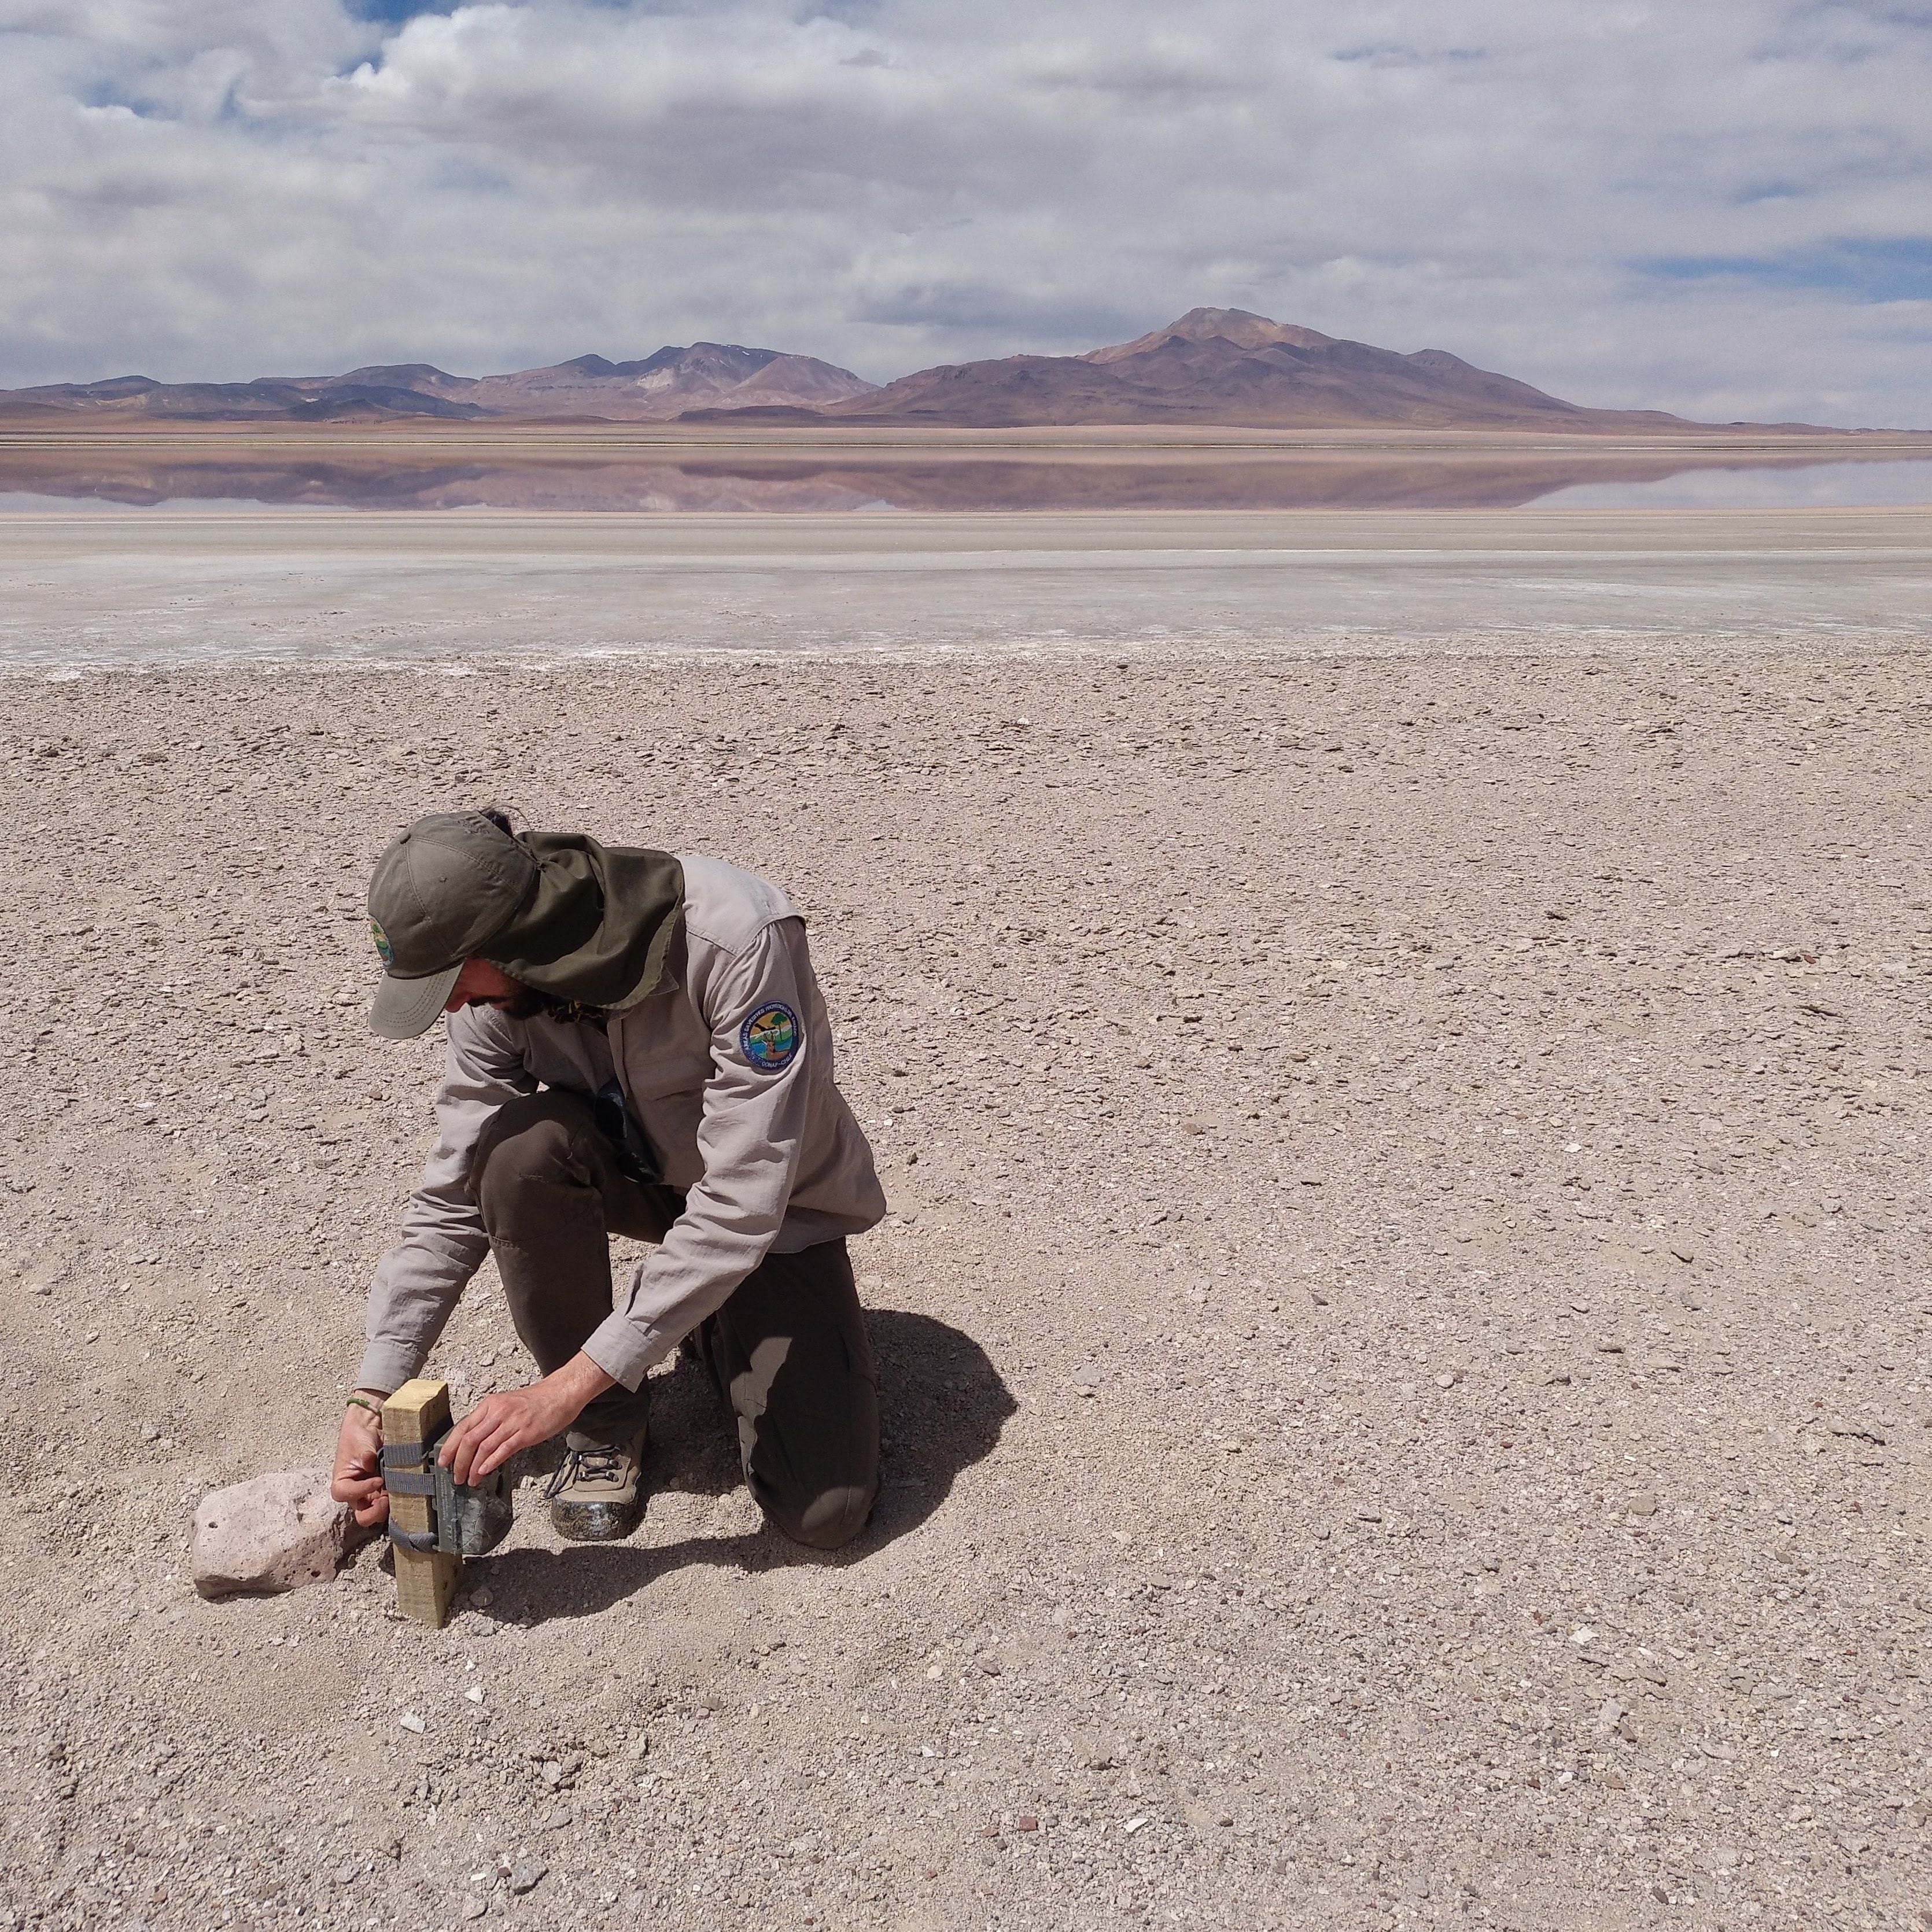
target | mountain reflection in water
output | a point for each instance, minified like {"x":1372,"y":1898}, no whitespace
{"x":842,"y":484}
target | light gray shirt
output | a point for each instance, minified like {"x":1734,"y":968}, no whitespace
{"x":727,"y":1068}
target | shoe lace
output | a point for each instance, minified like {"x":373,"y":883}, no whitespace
{"x":583,"y":1465}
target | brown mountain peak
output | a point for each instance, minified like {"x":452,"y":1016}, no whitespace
{"x":1240,"y":326}
{"x":1231,"y":366}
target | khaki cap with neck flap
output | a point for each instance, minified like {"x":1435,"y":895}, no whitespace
{"x":440,"y":892}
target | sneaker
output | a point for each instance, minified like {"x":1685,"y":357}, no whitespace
{"x":598,"y":1494}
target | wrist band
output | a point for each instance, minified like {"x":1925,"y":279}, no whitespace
{"x":362,"y":1401}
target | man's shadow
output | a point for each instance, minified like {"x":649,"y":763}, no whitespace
{"x":942,"y":1406}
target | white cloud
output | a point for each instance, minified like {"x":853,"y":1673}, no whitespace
{"x":1721,"y":209}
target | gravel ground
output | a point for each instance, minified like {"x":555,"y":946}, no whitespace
{"x":1405,"y":1314}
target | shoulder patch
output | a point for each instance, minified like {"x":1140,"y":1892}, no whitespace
{"x":769,"y":1038}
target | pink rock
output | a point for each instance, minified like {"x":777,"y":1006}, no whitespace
{"x":275,"y":1532}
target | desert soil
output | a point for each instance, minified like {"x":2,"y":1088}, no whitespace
{"x":1405,"y":1323}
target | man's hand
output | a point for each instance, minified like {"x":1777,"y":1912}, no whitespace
{"x":499,"y":1425}
{"x":357,"y":1478}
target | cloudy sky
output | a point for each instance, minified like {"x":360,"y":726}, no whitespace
{"x":1723,"y":207}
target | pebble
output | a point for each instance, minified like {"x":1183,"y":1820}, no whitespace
{"x":410,"y":1721}
{"x":1642,"y":1502}
{"x":1874,"y":1433}
{"x":525,"y":1875}
{"x":475,"y":1908}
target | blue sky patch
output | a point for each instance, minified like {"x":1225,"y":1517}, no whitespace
{"x":395,"y":13}
{"x":1866,"y":271}
{"x":106,"y":94}
{"x":1399,"y":53}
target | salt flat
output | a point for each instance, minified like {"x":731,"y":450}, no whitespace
{"x":168,"y":586}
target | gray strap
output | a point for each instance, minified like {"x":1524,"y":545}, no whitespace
{"x":410,"y":1469}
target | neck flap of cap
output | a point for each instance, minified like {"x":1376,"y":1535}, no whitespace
{"x":599,"y":924}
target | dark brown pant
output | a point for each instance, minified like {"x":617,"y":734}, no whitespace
{"x":789,"y":1348}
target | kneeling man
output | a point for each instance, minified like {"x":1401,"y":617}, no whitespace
{"x":637,"y":1046}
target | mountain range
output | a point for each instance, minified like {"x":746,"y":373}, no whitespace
{"x":1214,"y":366}
{"x":659,"y":389}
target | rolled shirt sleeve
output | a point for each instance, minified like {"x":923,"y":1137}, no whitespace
{"x":443,"y":1242}
{"x":766,"y":1022}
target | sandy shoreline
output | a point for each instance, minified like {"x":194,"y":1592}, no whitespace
{"x":1406,"y":1330}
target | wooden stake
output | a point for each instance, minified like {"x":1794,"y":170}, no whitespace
{"x":425,"y":1579}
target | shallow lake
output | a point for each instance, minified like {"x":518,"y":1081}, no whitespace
{"x":842,"y":482}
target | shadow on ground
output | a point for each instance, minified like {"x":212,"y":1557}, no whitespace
{"x":942,"y":1404}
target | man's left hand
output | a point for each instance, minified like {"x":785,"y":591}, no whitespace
{"x":499,"y":1425}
